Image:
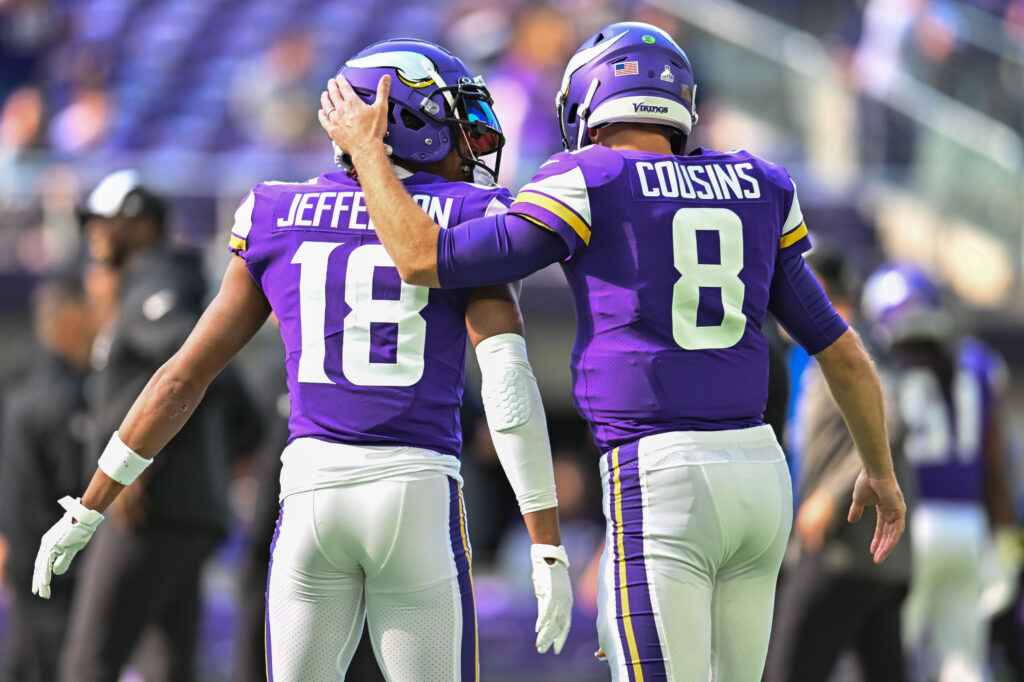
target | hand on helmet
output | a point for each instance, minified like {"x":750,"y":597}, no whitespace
{"x":355,"y":126}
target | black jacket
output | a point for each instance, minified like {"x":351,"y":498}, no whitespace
{"x":43,"y":440}
{"x":160,"y":301}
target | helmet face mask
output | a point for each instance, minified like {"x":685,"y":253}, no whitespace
{"x":627,"y":72}
{"x":469,"y":113}
{"x":435,"y":105}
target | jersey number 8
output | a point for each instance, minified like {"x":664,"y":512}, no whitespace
{"x":694,"y":276}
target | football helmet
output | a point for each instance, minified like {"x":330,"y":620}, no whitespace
{"x":904,"y":304}
{"x":433,"y":100}
{"x":626,"y":72}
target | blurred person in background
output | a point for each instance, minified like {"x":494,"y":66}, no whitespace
{"x":673,"y":268}
{"x":142,"y":578}
{"x":275,"y":87}
{"x":949,"y":392}
{"x":523,"y":79}
{"x":372,"y":525}
{"x":43,"y":442}
{"x":28,"y":29}
{"x":833,"y":597}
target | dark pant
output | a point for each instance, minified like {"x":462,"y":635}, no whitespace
{"x":820,"y":614}
{"x":37,"y":629}
{"x":133,"y":584}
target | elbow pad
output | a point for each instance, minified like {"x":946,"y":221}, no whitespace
{"x":515,"y":417}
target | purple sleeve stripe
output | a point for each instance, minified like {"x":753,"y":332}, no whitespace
{"x":554,"y":207}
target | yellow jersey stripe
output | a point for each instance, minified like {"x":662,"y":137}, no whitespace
{"x":238,"y":243}
{"x":794,"y":236}
{"x":536,"y":222}
{"x":627,"y":620}
{"x":469,"y":560}
{"x":559,"y":209}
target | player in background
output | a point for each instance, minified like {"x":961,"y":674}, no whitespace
{"x":372,"y":522}
{"x":949,"y":391}
{"x":673,"y":262}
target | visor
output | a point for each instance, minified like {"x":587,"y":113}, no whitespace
{"x":481,"y":123}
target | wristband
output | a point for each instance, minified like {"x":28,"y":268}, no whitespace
{"x":122,"y":463}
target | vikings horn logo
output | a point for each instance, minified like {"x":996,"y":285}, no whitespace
{"x":412,"y":68}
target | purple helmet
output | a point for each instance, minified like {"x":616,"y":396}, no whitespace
{"x":627,"y":72}
{"x":433,"y":100}
{"x":904,"y":304}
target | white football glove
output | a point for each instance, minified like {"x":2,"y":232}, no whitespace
{"x":62,"y":542}
{"x":554,"y":596}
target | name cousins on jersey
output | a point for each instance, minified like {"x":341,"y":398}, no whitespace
{"x":307,"y":209}
{"x":670,"y":179}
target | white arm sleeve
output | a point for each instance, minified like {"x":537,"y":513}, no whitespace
{"x":515,"y":417}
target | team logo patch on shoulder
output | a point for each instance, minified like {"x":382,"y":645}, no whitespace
{"x":627,"y":69}
{"x":667,"y":76}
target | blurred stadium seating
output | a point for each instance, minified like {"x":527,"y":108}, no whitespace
{"x":900,"y":120}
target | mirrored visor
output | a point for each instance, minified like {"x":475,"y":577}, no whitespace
{"x":484,"y":131}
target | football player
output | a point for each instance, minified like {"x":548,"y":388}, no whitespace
{"x":372,"y":520}
{"x":673,"y":261}
{"x":948,"y":394}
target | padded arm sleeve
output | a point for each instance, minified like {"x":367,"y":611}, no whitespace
{"x":801,"y":306}
{"x":515,"y":417}
{"x":494,"y":250}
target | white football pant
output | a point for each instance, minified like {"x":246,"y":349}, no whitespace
{"x":395,"y":552}
{"x":697,"y":525}
{"x":944,"y":630}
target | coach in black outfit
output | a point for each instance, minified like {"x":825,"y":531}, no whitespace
{"x":42,"y":453}
{"x":832,"y":597}
{"x":140,"y":576}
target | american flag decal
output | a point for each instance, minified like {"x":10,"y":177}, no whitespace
{"x":626,"y":69}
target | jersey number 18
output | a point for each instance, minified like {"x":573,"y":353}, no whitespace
{"x":356,"y":364}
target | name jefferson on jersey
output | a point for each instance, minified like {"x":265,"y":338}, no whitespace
{"x":308,"y":209}
{"x":370,"y":359}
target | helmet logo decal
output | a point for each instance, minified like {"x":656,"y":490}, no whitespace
{"x":626,"y":69}
{"x":649,"y":39}
{"x":412,"y":68}
{"x":667,"y":76}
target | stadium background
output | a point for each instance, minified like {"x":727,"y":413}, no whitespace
{"x":900,"y":121}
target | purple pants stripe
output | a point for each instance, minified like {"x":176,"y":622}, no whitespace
{"x":638,"y":629}
{"x":463,"y":564}
{"x":266,"y":612}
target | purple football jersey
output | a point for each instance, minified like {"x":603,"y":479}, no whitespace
{"x":671,"y":262}
{"x":370,"y":359}
{"x":946,"y":429}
